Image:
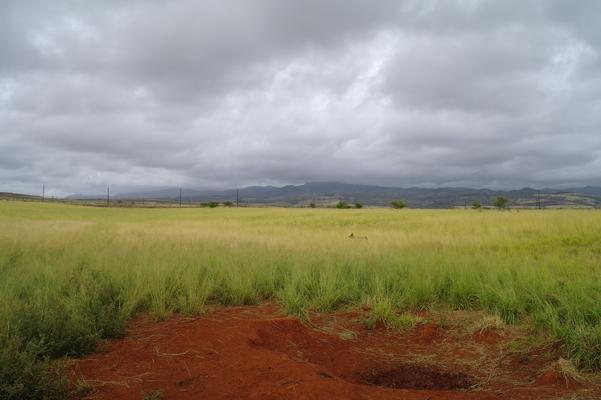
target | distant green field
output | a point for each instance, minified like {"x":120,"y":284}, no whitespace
{"x":70,"y":275}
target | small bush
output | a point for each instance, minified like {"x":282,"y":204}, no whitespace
{"x":72,"y":319}
{"x":97,"y":298}
{"x":501,"y":202}
{"x":53,"y":328}
{"x":398,"y":204}
{"x":312,"y":204}
{"x":228,"y":204}
{"x":25,"y":375}
{"x":476,"y":205}
{"x":342,"y":204}
{"x":358,"y":205}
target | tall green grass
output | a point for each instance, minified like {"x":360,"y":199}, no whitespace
{"x":71,"y":275}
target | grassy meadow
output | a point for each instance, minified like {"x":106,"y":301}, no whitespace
{"x":71,"y":275}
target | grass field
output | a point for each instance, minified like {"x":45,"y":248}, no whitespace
{"x":72,"y":275}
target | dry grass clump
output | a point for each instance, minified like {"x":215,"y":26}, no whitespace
{"x":565,"y":371}
{"x":488,"y":322}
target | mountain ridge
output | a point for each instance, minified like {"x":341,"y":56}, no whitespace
{"x":326,"y":193}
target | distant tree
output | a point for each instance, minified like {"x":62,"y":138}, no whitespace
{"x":501,"y":202}
{"x":358,"y":205}
{"x":228,"y":204}
{"x":476,"y":205}
{"x":342,"y":204}
{"x":312,"y":204}
{"x":213,"y":204}
{"x":398,"y":204}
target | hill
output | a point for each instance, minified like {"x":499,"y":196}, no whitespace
{"x":328,"y":193}
{"x":18,"y":196}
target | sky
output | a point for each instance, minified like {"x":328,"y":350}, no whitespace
{"x":230,"y":93}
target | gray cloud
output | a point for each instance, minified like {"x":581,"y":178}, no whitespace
{"x":231,"y":93}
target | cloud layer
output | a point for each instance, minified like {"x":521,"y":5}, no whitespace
{"x":232,"y":93}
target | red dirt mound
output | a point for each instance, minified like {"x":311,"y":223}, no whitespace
{"x":254,"y":353}
{"x":554,"y":377}
{"x":487,"y":335}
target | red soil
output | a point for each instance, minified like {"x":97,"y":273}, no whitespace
{"x":555,"y":377}
{"x":427,"y":332}
{"x":487,"y":335}
{"x":255,"y":353}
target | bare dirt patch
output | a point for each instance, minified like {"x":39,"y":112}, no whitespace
{"x":487,"y":335}
{"x":416,"y":376}
{"x":256,"y":353}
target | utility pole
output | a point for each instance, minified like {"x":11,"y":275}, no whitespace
{"x":538,"y":200}
{"x":180,"y":197}
{"x":237,"y":197}
{"x":465,"y":204}
{"x":43,"y":191}
{"x":108,"y":196}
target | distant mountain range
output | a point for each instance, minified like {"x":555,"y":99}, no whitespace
{"x":18,"y":196}
{"x":328,"y":193}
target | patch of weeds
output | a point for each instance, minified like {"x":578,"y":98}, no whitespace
{"x":566,"y":370}
{"x":235,"y":290}
{"x":25,"y":375}
{"x":71,"y":320}
{"x":98,"y":299}
{"x":582,"y":344}
{"x":154,"y":395}
{"x":443,"y":322}
{"x":488,"y":322}
{"x":530,"y":342}
{"x":382,"y":312}
{"x":52,"y":326}
{"x":347,"y":334}
{"x":293,"y":302}
{"x":80,"y":389}
{"x":405,"y":321}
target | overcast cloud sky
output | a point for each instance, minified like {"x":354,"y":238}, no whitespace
{"x":228,"y":93}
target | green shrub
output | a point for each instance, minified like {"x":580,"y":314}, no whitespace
{"x":501,"y":202}
{"x":384,"y":311}
{"x":342,"y":204}
{"x":97,"y":298}
{"x":26,"y":375}
{"x":69,"y":321}
{"x":398,"y":204}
